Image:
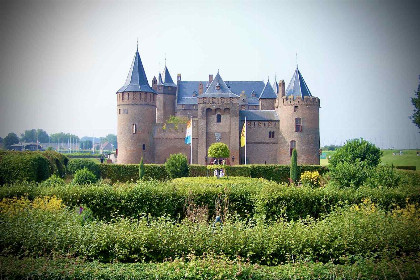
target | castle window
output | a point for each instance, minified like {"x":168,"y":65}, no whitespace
{"x":271,"y":134}
{"x":298,"y":125}
{"x":144,"y":147}
{"x":128,"y":96}
{"x":218,"y":118}
{"x":119,"y":111}
{"x":292,"y":146}
{"x":134,"y":128}
{"x":295,"y":108}
{"x":123,"y":96}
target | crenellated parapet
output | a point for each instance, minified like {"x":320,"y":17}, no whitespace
{"x":297,"y":100}
{"x":218,"y":100}
{"x":136,"y":98}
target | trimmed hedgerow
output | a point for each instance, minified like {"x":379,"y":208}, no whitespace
{"x":208,"y":267}
{"x":130,"y":172}
{"x":361,"y":230}
{"x":23,"y":166}
{"x":79,"y":164}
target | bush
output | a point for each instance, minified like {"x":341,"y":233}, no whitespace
{"x":84,"y":177}
{"x":78,"y":164}
{"x":177,"y":166}
{"x":141,"y":169}
{"x":357,"y":150}
{"x":310,"y":179}
{"x":293,"y":167}
{"x":130,"y":172}
{"x":53,"y":181}
{"x":218,"y":150}
{"x":406,"y":167}
{"x":23,"y":166}
{"x":354,"y":174}
{"x":384,"y":176}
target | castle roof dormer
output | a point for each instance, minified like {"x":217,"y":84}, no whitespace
{"x":297,"y":86}
{"x":218,"y":88}
{"x":268,"y":92}
{"x":136,"y":79}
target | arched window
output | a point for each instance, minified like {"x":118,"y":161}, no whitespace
{"x":292,"y":146}
{"x":218,"y":118}
{"x":269,"y":134}
{"x":144,"y":147}
{"x":134,"y":128}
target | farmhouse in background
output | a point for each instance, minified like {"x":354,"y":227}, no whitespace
{"x":277,"y":119}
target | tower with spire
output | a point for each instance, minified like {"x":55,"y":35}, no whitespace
{"x":277,"y":119}
{"x":136,"y":110}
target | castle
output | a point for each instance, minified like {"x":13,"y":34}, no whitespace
{"x":278,"y":120}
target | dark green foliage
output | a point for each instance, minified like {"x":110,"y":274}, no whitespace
{"x":405,"y":167}
{"x":357,"y":150}
{"x":23,"y":166}
{"x":218,"y":150}
{"x":10,"y":139}
{"x":35,"y":135}
{"x":177,"y":166}
{"x":78,"y":164}
{"x":85,"y":145}
{"x":130,"y":172}
{"x":53,"y":181}
{"x":209,"y":267}
{"x":141,"y":169}
{"x":63,"y":137}
{"x":58,"y":162}
{"x":384,"y":176}
{"x":352,"y":164}
{"x":293,"y":167}
{"x":83,"y":155}
{"x":84,"y":177}
{"x":416,"y":103}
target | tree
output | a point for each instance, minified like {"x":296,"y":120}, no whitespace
{"x":177,"y":166}
{"x":218,"y":150}
{"x":141,"y":169}
{"x":357,"y":150}
{"x":10,"y":139}
{"x":112,"y":138}
{"x":293,"y":166}
{"x":86,"y":145}
{"x":416,"y":102}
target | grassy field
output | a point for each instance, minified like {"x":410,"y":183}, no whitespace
{"x":408,"y":158}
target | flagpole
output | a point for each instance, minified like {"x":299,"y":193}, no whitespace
{"x":191,"y":142}
{"x":245,"y":139}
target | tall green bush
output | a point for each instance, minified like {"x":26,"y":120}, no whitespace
{"x":84,"y":177}
{"x":177,"y":166}
{"x":141,"y":169}
{"x":218,"y":150}
{"x":78,"y":164}
{"x":293,"y":167}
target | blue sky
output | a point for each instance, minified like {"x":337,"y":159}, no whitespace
{"x":63,"y":61}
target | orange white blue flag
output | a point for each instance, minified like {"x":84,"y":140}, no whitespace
{"x":188,"y":136}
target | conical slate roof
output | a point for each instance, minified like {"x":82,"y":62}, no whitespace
{"x":268,"y":92}
{"x":168,"y":79}
{"x":297,"y":86}
{"x":160,"y":82}
{"x":218,"y":88}
{"x":275,"y":85}
{"x":136,"y":79}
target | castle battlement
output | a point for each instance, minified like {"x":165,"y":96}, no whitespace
{"x":298,"y":100}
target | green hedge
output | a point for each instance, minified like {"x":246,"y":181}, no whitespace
{"x":277,"y":173}
{"x":30,"y":166}
{"x":343,"y":234}
{"x":130,"y":172}
{"x":244,"y":196}
{"x":210,"y":267}
{"x":79,"y":164}
{"x":406,"y":167}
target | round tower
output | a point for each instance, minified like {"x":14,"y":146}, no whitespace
{"x":165,"y":101}
{"x":136,"y":110}
{"x":298,"y":111}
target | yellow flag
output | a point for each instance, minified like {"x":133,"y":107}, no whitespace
{"x":243,"y":136}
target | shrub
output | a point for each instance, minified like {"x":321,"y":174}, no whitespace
{"x":78,"y":164}
{"x":130,"y":172}
{"x":177,"y":166}
{"x":357,"y":150}
{"x":293,"y":167}
{"x":53,"y":181}
{"x":310,"y":179}
{"x":218,"y":150}
{"x":141,"y":169}
{"x":84,"y":177}
{"x":385,"y":176}
{"x":348,"y":174}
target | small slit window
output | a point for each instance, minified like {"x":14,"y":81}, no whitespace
{"x":134,"y":128}
{"x":292,"y":146}
{"x":295,"y":108}
{"x":218,"y":118}
{"x":144,"y":147}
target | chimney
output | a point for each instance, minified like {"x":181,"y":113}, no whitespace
{"x":154,"y":83}
{"x":210,"y":78}
{"x":282,"y":88}
{"x":200,"y":88}
{"x":178,"y":77}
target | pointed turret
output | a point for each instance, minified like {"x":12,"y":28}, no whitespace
{"x":168,"y":79}
{"x":218,"y":88}
{"x":276,"y":85}
{"x":297,"y":86}
{"x":268,"y":92}
{"x":136,"y":79}
{"x":160,"y":81}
